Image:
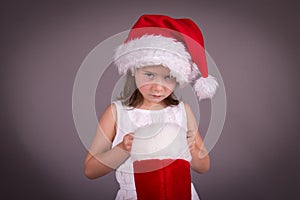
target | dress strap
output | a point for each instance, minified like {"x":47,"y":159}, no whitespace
{"x":184,"y":118}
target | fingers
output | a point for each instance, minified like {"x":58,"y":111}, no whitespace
{"x":191,"y":135}
{"x":191,"y":140}
{"x":127,"y":141}
{"x":203,"y":152}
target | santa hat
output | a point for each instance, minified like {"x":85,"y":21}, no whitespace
{"x":174,"y":43}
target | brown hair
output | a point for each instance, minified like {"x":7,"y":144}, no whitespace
{"x":132,"y":97}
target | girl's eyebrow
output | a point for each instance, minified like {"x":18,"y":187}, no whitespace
{"x":148,"y":71}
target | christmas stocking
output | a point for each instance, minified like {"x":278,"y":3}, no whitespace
{"x":161,"y":163}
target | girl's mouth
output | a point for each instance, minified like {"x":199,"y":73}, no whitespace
{"x":156,"y":96}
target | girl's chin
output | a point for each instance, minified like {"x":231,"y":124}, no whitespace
{"x":155,"y":99}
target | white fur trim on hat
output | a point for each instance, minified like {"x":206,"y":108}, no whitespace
{"x":155,"y":50}
{"x":206,"y":87}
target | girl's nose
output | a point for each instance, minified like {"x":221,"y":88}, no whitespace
{"x":157,"y":87}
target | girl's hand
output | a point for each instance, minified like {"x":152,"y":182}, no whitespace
{"x":127,"y":141}
{"x":194,"y":148}
{"x":191,"y":140}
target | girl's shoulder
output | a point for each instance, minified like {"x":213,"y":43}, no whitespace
{"x":184,"y":105}
{"x":189,"y":111}
{"x":110,"y":111}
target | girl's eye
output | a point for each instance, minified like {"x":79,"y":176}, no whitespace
{"x":149,"y":75}
{"x":169,"y":78}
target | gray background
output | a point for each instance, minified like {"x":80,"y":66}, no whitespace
{"x":254,"y":43}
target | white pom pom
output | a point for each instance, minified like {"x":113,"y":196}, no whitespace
{"x":205,"y":88}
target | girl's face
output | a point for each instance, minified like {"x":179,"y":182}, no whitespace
{"x":154,"y":83}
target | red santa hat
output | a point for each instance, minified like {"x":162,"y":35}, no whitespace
{"x":174,"y":43}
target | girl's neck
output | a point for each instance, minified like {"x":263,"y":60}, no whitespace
{"x":152,"y":106}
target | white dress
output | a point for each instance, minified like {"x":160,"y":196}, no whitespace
{"x":128,"y":120}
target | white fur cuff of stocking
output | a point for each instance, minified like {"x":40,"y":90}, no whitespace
{"x":160,"y":141}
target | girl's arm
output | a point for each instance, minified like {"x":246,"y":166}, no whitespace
{"x":200,"y":159}
{"x":101,"y":158}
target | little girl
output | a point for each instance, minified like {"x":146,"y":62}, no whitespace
{"x":159,"y":54}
